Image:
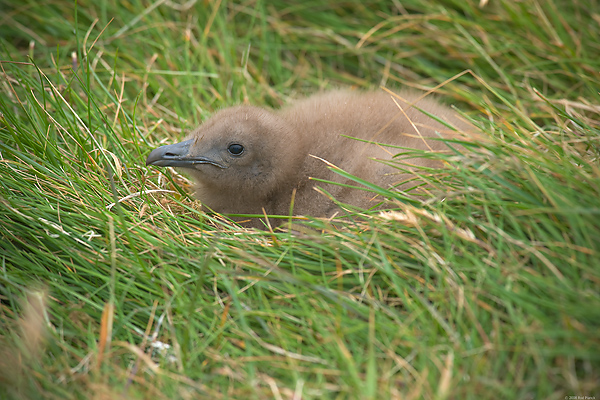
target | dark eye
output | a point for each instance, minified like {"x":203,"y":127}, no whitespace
{"x":235,"y":149}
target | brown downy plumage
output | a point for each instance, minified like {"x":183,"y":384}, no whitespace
{"x":246,"y":159}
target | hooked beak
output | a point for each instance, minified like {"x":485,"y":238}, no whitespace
{"x":176,"y":155}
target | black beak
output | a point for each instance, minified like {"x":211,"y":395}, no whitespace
{"x":176,"y":155}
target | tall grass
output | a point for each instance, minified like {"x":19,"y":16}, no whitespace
{"x":115,"y":285}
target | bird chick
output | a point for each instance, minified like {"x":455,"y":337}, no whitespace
{"x":248,"y":159}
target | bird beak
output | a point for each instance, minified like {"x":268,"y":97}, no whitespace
{"x":177,"y":155}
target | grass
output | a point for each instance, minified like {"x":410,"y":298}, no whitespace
{"x":488,"y":287}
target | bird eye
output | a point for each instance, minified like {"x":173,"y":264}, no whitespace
{"x":235,"y":149}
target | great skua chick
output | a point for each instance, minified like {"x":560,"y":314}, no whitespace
{"x":252,"y":160}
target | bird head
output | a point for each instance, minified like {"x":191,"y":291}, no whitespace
{"x":240,"y":151}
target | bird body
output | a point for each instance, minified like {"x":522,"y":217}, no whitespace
{"x":247,"y":159}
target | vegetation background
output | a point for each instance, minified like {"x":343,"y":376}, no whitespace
{"x":114,"y":285}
